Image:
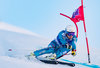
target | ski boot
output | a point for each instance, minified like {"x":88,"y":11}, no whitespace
{"x":51,"y":57}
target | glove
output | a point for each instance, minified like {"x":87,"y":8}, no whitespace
{"x":73,"y":53}
{"x":68,"y":46}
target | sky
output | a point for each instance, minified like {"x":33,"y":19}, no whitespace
{"x":42,"y":17}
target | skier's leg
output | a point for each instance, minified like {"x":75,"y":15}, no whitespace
{"x":43,"y":51}
{"x":61,"y":52}
{"x":49,"y":49}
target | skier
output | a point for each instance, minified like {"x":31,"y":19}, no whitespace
{"x":64,"y":43}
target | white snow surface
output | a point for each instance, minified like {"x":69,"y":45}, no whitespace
{"x":21,"y":42}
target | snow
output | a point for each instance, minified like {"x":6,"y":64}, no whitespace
{"x":8,"y":27}
{"x":16,"y":42}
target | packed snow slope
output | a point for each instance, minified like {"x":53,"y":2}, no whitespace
{"x":16,"y":42}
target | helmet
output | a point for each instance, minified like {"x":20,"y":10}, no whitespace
{"x":70,"y":28}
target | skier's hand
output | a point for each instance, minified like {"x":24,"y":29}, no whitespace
{"x":68,"y":46}
{"x":74,"y":53}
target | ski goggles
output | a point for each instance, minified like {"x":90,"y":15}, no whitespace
{"x":71,"y":33}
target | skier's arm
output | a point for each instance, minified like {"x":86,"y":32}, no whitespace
{"x":74,"y":43}
{"x":61,"y":38}
{"x":74,"y":46}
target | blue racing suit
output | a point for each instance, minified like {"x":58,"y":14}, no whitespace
{"x":59,"y":45}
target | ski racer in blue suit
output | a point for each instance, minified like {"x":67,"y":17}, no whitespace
{"x":64,"y":43}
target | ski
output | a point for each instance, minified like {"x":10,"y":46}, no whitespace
{"x":48,"y":61}
{"x":66,"y":63}
{"x":57,"y":62}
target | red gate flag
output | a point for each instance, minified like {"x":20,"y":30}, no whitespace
{"x":78,"y":15}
